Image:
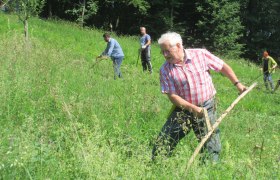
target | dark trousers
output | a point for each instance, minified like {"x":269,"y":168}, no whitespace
{"x":179,"y":124}
{"x":146,"y":59}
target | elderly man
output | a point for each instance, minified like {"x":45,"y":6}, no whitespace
{"x":145,"y":42}
{"x":114,"y":51}
{"x":185,"y":78}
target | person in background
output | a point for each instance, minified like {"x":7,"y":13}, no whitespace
{"x":145,"y":50}
{"x":185,"y":78}
{"x":268,"y":67}
{"x":114,"y":51}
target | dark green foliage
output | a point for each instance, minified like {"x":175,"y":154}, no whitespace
{"x":220,"y":26}
{"x":83,"y":10}
{"x":262,"y":31}
{"x":228,"y":27}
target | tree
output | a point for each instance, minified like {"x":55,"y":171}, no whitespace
{"x":163,"y":16}
{"x":170,"y":12}
{"x":121,"y":16}
{"x":83,"y":10}
{"x":25,"y":9}
{"x":261,"y":21}
{"x":224,"y":26}
{"x":3,"y":3}
{"x":220,"y":26}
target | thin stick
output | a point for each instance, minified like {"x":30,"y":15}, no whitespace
{"x":98,"y":59}
{"x":96,"y":62}
{"x":198,"y":148}
{"x":209,"y":126}
{"x":5,"y":3}
{"x":277,"y":85}
{"x":139,"y":52}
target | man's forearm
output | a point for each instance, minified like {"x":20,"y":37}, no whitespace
{"x":148,"y":43}
{"x":180,"y":102}
{"x":229,"y":73}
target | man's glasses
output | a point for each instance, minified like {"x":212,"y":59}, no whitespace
{"x":167,"y":51}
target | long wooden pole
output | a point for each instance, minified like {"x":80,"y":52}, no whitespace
{"x":217,"y":123}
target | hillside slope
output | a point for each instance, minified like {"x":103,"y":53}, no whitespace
{"x":61,"y":118}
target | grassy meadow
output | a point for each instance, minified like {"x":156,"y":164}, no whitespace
{"x":61,"y":118}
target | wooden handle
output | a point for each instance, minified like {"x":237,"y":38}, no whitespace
{"x":217,"y":123}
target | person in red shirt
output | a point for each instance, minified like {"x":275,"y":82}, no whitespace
{"x":269,"y":66}
{"x":185,"y":78}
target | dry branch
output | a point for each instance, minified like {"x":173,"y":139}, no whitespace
{"x":209,"y":126}
{"x":4,"y":4}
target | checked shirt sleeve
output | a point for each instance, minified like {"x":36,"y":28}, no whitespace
{"x":213,"y":61}
{"x":166,"y":82}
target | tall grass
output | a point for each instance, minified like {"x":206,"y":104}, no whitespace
{"x":60,"y":118}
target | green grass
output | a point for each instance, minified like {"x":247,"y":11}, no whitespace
{"x":61,"y":119}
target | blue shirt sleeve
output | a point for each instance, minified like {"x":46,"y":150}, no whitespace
{"x":145,"y":39}
{"x":109,"y":49}
{"x":148,"y":37}
{"x":113,"y":49}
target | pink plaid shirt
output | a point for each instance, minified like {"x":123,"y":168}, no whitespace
{"x":191,"y":81}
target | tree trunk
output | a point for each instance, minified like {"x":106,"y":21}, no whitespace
{"x":171,"y":16}
{"x":117,"y":22}
{"x":83,"y":13}
{"x":111,"y":27}
{"x":4,"y":4}
{"x":50,"y":10}
{"x":25,"y":22}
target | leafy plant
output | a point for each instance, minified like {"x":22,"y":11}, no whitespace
{"x":83,"y":10}
{"x":25,"y":9}
{"x":220,"y":26}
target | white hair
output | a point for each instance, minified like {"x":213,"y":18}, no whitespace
{"x":172,"y":37}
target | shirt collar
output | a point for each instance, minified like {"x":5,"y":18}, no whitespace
{"x":188,"y":55}
{"x":187,"y":58}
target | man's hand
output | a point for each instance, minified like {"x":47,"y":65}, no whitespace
{"x":198,"y":112}
{"x":144,"y":47}
{"x":241,"y":88}
{"x":101,"y":57}
{"x":105,"y":57}
{"x":180,"y":102}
